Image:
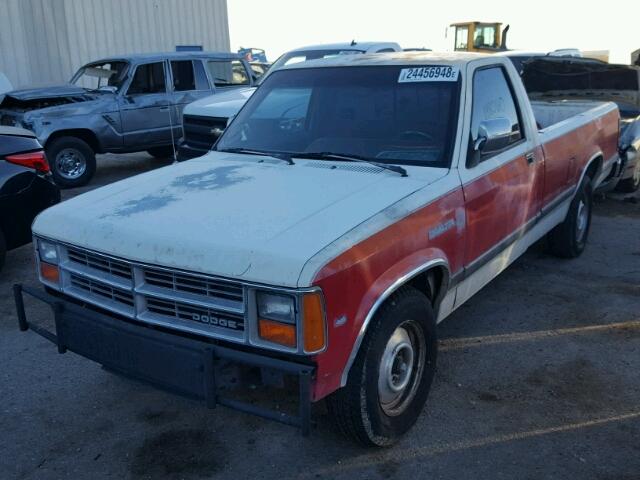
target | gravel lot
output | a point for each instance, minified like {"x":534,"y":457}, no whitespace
{"x":538,"y":377}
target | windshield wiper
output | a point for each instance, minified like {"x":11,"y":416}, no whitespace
{"x":351,"y":158}
{"x":280,"y":156}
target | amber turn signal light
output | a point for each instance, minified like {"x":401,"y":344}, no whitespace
{"x":314,"y":328}
{"x":49,"y":272}
{"x":277,"y":332}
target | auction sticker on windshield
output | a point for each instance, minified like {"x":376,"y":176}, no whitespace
{"x":443,"y":73}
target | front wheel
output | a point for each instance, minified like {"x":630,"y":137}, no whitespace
{"x":72,"y":161}
{"x":569,"y":239}
{"x":390,"y":380}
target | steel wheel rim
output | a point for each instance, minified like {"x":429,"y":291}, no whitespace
{"x":401,"y":368}
{"x":70,"y":164}
{"x":582,"y":220}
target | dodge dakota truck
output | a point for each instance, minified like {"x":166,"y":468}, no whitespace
{"x":351,"y":205}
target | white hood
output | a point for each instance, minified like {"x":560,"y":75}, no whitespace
{"x":225,"y":104}
{"x":229,"y":215}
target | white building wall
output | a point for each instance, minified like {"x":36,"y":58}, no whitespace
{"x":45,"y":41}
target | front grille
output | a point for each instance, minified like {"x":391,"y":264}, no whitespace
{"x":194,"y":285}
{"x":202,"y":132}
{"x":101,"y":263}
{"x":193,"y":313}
{"x":101,"y":290}
{"x":197,"y":303}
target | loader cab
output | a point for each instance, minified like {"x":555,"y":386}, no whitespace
{"x":479,"y":37}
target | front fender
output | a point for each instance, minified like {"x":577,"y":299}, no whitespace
{"x":352,"y":301}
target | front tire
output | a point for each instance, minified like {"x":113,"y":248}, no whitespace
{"x":390,"y":380}
{"x":569,"y":239}
{"x":72,"y":161}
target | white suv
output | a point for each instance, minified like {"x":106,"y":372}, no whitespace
{"x":204,"y":120}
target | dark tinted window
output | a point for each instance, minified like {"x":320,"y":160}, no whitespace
{"x":201,"y":77}
{"x":362,"y":111}
{"x":149,"y":78}
{"x":183,"y":78}
{"x":492,"y":98}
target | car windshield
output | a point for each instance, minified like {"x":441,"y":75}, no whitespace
{"x":359,"y":111}
{"x":97,"y":75}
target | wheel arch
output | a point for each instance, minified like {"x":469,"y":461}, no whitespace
{"x":85,"y":134}
{"x":430,"y":277}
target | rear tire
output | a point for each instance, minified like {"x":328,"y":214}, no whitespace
{"x":161,"y":152}
{"x":72,"y":161}
{"x":3,"y":249}
{"x":391,"y":377}
{"x":630,"y":185}
{"x":569,"y":239}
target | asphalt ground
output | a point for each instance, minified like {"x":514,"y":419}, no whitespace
{"x":538,"y":377}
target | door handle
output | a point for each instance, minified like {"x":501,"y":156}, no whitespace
{"x":164,"y":109}
{"x":530,"y":157}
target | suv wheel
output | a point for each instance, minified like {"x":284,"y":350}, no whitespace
{"x":161,"y":152}
{"x":631,"y":184}
{"x":391,"y":377}
{"x":72,"y":161}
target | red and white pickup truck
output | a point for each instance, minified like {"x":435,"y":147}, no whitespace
{"x":350,"y":206}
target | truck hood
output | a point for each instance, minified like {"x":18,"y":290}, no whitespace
{"x":225,"y":104}
{"x":244,"y":217}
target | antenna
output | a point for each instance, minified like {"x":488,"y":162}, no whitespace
{"x":170,"y":109}
{"x":353,"y":43}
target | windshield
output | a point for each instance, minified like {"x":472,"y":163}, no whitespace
{"x":96,"y":75}
{"x":358,"y":111}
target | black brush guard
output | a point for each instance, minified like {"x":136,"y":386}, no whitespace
{"x":178,"y":364}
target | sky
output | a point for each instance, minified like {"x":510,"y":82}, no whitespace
{"x":542,"y":25}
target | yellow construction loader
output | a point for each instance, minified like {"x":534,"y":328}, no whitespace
{"x":484,"y":37}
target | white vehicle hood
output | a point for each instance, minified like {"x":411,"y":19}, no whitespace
{"x":225,"y":104}
{"x":229,"y":215}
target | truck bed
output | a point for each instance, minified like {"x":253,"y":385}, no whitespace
{"x":552,"y":113}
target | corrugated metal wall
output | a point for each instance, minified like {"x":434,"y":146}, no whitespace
{"x":45,"y":41}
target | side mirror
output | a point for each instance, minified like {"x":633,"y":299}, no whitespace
{"x":493,"y":135}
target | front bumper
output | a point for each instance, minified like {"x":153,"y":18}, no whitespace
{"x":183,"y":365}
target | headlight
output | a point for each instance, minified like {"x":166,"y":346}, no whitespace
{"x":280,"y":322}
{"x":48,"y":252}
{"x":276,"y":307}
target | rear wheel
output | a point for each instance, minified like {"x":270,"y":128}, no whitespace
{"x":3,"y":249}
{"x":631,"y":184}
{"x":569,"y":239}
{"x":72,"y":161}
{"x":161,"y":152}
{"x":390,"y":380}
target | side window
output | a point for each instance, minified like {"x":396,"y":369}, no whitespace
{"x":385,"y":50}
{"x":493,"y":98}
{"x":462,"y":38}
{"x":201,"y":77}
{"x":148,"y":78}
{"x":227,"y":72}
{"x":183,"y":77}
